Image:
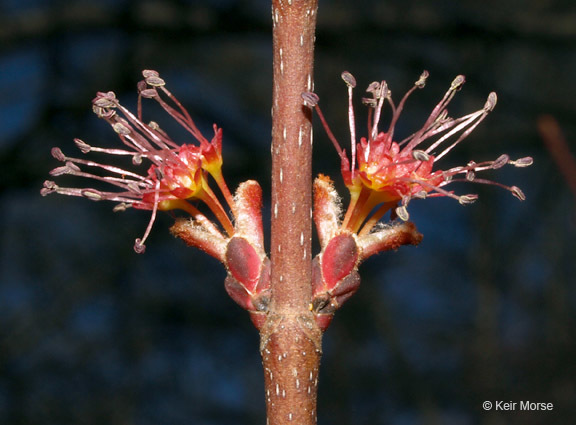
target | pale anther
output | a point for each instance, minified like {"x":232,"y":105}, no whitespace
{"x":422,"y":80}
{"x":82,"y":145}
{"x":467,"y":199}
{"x":57,"y":154}
{"x":120,"y":207}
{"x":153,"y":78}
{"x":523,"y":162}
{"x":349,"y":79}
{"x":49,"y":187}
{"x":155,"y":81}
{"x":92,"y":194}
{"x":518,"y":193}
{"x":458,"y":82}
{"x":471,"y":173}
{"x":121,"y":129}
{"x":106,"y":100}
{"x":402,"y":212}
{"x":421,"y":195}
{"x":150,"y":73}
{"x":501,"y":161}
{"x":134,"y":187}
{"x":420,"y":155}
{"x":148,"y":93}
{"x":490,"y":102}
{"x":310,"y":98}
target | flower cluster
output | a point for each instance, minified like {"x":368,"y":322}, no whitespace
{"x":177,"y":178}
{"x":177,"y":174}
{"x":382,"y":175}
{"x":390,"y":173}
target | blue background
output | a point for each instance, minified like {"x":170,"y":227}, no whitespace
{"x":483,"y":309}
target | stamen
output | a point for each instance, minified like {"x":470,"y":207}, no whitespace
{"x":437,"y":189}
{"x":49,"y":187}
{"x":438,"y":115}
{"x":83,"y":146}
{"x":121,"y":207}
{"x":181,"y":115}
{"x":153,"y":78}
{"x":121,"y":129}
{"x":490,"y":102}
{"x":105,"y":100}
{"x":310,"y":98}
{"x":69,"y":168}
{"x":471,"y":173}
{"x":373,"y":88}
{"x":467,"y":123}
{"x":148,"y":93}
{"x":381,"y":93}
{"x":351,"y":83}
{"x":500,"y":162}
{"x":402,"y":212}
{"x":420,"y":195}
{"x":92,"y":194}
{"x":313,"y":99}
{"x":133,"y":187}
{"x":86,"y":148}
{"x":139,"y":246}
{"x":348,"y":79}
{"x":458,"y":82}
{"x":76,"y":170}
{"x":467,"y":199}
{"x":421,"y":83}
{"x":522,"y":162}
{"x":57,"y":154}
{"x":139,"y":140}
{"x":517,"y":192}
{"x":419,"y":155}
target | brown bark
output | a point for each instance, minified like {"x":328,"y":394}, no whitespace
{"x":290,"y":339}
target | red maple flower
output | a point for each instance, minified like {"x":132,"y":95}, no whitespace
{"x":177,"y":175}
{"x":390,"y":173}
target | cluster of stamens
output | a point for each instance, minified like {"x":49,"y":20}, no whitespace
{"x":177,"y":174}
{"x":384,"y":172}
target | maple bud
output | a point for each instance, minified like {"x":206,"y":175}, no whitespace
{"x":248,"y":279}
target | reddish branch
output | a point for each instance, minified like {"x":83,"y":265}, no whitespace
{"x":290,"y":339}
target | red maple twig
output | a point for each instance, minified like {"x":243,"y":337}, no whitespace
{"x":290,"y":338}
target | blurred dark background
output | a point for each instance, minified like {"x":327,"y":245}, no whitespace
{"x":483,"y":309}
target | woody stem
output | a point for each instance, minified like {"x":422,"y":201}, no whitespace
{"x":290,"y":339}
